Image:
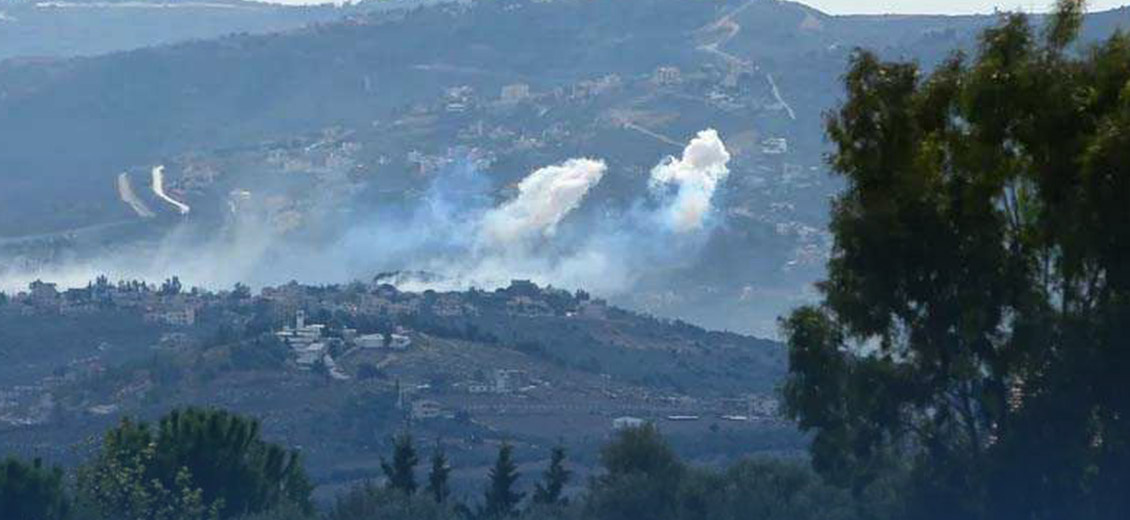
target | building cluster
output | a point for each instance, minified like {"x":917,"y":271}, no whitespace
{"x":312,"y":346}
{"x":157,"y":305}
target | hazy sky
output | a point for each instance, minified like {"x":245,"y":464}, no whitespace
{"x":943,"y":6}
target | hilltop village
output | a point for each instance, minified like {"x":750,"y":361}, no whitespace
{"x":338,"y":368}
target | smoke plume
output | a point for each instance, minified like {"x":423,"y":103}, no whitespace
{"x":544,"y":199}
{"x":453,"y":230}
{"x":695,"y":177}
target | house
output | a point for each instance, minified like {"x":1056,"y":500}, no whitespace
{"x":775,"y":146}
{"x":43,"y":293}
{"x":667,"y":76}
{"x":180,"y":317}
{"x":623,"y":423}
{"x":301,"y":335}
{"x":380,"y":341}
{"x":426,"y":409}
{"x":508,"y":380}
{"x":370,"y":341}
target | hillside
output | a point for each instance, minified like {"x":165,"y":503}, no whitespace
{"x":326,"y":129}
{"x":523,"y":363}
{"x":61,"y":29}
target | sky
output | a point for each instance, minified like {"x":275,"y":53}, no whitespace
{"x":943,"y":6}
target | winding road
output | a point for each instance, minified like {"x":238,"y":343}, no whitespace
{"x":730,"y":29}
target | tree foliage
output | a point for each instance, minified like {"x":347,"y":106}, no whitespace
{"x":501,"y":499}
{"x":369,"y":502}
{"x":401,"y":472}
{"x":549,"y":491}
{"x":438,"y":477}
{"x":32,"y":491}
{"x":195,"y":464}
{"x":641,"y":477}
{"x":974,"y":334}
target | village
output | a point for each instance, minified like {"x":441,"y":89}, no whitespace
{"x":433,"y":351}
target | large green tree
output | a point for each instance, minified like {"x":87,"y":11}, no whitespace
{"x":975,"y":326}
{"x":209,"y":463}
{"x":32,"y":491}
{"x":642,"y":477}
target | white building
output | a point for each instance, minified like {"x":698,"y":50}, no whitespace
{"x":301,"y":335}
{"x":506,"y":380}
{"x":380,"y":341}
{"x":667,"y":76}
{"x":181,"y":317}
{"x":775,"y":146}
{"x":623,"y":423}
{"x":370,"y":341}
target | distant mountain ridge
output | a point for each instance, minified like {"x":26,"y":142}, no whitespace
{"x":395,"y":93}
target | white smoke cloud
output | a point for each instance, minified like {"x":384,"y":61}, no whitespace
{"x":544,"y":199}
{"x":453,"y":231}
{"x":695,"y":176}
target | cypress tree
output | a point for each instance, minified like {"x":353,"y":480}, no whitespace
{"x":554,"y":479}
{"x":401,"y":472}
{"x":501,"y":498}
{"x":437,"y":478}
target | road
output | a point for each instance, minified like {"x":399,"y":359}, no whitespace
{"x":729,"y":29}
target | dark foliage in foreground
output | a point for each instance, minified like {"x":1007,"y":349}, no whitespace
{"x":974,"y":338}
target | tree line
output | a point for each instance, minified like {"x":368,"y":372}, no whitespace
{"x":203,"y":464}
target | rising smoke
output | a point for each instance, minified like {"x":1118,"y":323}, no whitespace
{"x":544,"y":199}
{"x":695,"y":176}
{"x":455,"y":231}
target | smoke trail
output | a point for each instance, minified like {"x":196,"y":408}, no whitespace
{"x":126,"y":193}
{"x":159,"y":189}
{"x":695,"y":177}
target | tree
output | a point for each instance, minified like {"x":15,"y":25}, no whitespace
{"x":120,"y":482}
{"x":974,"y":333}
{"x":401,"y":473}
{"x":438,"y":484}
{"x":642,"y":477}
{"x":240,"y":292}
{"x":370,"y":502}
{"x":501,"y":498}
{"x":555,"y":478}
{"x":171,"y":287}
{"x":209,"y":461}
{"x":762,"y":489}
{"x":32,"y":491}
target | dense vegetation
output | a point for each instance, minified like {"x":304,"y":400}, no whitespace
{"x":212,"y":465}
{"x":972,"y":342}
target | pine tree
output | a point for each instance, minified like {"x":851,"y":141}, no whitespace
{"x":555,"y":478}
{"x":402,"y":472}
{"x":501,"y":499}
{"x":437,"y":478}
